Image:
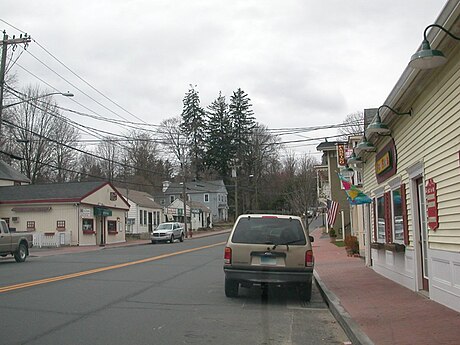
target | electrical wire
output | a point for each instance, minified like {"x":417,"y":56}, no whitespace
{"x":124,"y":165}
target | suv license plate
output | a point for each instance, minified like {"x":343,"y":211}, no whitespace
{"x":267,"y":260}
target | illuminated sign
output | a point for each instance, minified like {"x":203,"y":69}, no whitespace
{"x":341,"y":155}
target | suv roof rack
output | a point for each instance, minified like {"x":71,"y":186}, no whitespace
{"x":282,"y":212}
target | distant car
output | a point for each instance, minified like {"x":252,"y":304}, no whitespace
{"x":268,"y":250}
{"x":168,"y":232}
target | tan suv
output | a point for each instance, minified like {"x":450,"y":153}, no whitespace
{"x":268,"y":249}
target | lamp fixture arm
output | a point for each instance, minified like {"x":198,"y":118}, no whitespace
{"x":393,"y":110}
{"x":65,"y":94}
{"x":441,"y":28}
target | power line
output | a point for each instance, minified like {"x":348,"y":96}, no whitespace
{"x":87,"y":83}
{"x":124,"y":165}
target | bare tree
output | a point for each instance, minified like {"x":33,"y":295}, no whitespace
{"x":32,"y":126}
{"x":64,"y":156}
{"x":352,"y":125}
{"x":302,"y":194}
{"x":174,"y":141}
{"x":110,"y":153}
{"x":263,"y":151}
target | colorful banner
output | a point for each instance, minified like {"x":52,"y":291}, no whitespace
{"x":354,"y":195}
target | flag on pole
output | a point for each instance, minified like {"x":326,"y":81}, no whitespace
{"x":354,"y":195}
{"x":332,"y":209}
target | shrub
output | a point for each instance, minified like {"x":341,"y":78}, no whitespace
{"x":332,"y":233}
{"x":352,"y":243}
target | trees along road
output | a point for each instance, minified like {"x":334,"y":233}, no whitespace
{"x":151,"y":294}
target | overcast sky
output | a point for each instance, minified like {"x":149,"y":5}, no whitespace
{"x":302,"y":62}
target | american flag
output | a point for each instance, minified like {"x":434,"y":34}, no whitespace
{"x":332,"y":208}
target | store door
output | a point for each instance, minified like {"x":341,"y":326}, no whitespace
{"x":150,"y":222}
{"x":100,"y":231}
{"x":422,"y":233}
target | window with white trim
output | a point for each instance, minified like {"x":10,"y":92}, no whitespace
{"x":380,"y":219}
{"x":398,"y":225}
{"x":206,"y":198}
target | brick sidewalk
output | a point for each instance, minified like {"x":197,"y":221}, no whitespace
{"x":385,"y":311}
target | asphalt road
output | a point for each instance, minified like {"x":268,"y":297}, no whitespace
{"x":150,"y":294}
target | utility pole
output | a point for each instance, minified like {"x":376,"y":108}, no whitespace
{"x":184,"y":196}
{"x":21,"y":40}
{"x":235,"y":175}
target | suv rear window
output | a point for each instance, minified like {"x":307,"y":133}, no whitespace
{"x":269,"y":231}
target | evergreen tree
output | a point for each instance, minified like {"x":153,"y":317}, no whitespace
{"x":193,"y":125}
{"x":243,"y":122}
{"x":219,"y":143}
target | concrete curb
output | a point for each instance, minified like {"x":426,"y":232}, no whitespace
{"x":351,"y":328}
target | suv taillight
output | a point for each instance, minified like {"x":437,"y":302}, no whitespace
{"x":309,"y":259}
{"x":228,"y":255}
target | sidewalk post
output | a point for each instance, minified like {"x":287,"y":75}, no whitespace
{"x":343,"y":225}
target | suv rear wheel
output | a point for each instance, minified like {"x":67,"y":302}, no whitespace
{"x":231,"y":288}
{"x":305,"y":292}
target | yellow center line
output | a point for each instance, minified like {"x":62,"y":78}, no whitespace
{"x":102,"y":269}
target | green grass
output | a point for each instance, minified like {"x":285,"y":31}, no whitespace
{"x":339,"y":243}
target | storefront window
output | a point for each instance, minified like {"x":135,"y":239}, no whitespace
{"x":112,"y":226}
{"x":88,"y":225}
{"x":381,"y":219}
{"x":398,"y":234}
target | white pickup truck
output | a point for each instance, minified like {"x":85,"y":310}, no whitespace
{"x":16,"y":244}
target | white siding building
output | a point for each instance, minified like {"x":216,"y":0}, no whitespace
{"x":414,"y":176}
{"x":80,"y":213}
{"x":144,"y":213}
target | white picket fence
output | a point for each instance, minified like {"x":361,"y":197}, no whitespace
{"x":54,"y":240}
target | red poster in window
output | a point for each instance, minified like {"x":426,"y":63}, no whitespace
{"x":432,"y":204}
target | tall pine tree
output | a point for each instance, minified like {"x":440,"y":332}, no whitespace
{"x":243,"y":122}
{"x":193,"y":125}
{"x":219,"y":143}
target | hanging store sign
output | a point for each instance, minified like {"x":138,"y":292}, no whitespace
{"x":431,"y":195}
{"x":103,"y":212}
{"x":341,"y":161}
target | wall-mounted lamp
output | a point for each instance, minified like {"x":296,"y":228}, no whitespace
{"x":347,"y":172}
{"x":355,"y":160}
{"x":426,"y":57}
{"x":365,"y":146}
{"x":381,"y":128}
{"x":378,"y":127}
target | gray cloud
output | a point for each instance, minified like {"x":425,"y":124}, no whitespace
{"x":302,"y":62}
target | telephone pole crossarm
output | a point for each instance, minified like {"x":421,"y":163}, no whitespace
{"x":5,"y":43}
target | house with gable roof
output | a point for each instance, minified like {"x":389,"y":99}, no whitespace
{"x":76,"y":213}
{"x":144,"y":213}
{"x":213,"y":194}
{"x":198,"y":214}
{"x":11,"y":177}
